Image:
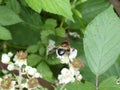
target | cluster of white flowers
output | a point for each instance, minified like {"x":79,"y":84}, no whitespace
{"x":18,"y":63}
{"x":72,"y":73}
{"x":32,"y":72}
{"x":69,"y":75}
{"x":6,"y":57}
{"x":67,"y":55}
{"x":66,"y":76}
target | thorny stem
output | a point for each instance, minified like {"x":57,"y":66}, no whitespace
{"x":96,"y":82}
{"x":20,"y":79}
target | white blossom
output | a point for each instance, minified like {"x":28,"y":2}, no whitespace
{"x":31,"y":71}
{"x":69,"y":75}
{"x":19,"y":62}
{"x":73,"y":54}
{"x":37,"y":75}
{"x":10,"y":67}
{"x":73,"y":71}
{"x":76,"y":73}
{"x":10,"y":54}
{"x":4,"y":71}
{"x":66,"y":76}
{"x":15,"y":58}
{"x":5,"y":58}
{"x":79,"y":77}
{"x":27,"y":68}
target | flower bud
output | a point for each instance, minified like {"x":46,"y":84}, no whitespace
{"x":10,"y":67}
{"x":77,"y":63}
{"x":5,"y":59}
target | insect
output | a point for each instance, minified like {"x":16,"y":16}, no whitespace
{"x":65,"y":53}
{"x":63,"y":48}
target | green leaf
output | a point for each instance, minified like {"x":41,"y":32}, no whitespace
{"x":114,"y":70}
{"x":8,"y":17}
{"x":52,"y":60}
{"x":60,"y":32}
{"x":80,"y":86}
{"x":102,"y":41}
{"x":35,"y":5}
{"x":95,"y":7}
{"x":50,"y":24}
{"x":42,"y":50}
{"x":14,"y":5}
{"x":87,"y":74}
{"x":32,"y":49}
{"x":60,"y":7}
{"x":23,"y":35}
{"x":44,"y":69}
{"x":5,"y":34}
{"x":0,"y":1}
{"x":23,"y":2}
{"x":109,"y":84}
{"x":48,"y":29}
{"x":31,"y":18}
{"x":78,"y":24}
{"x":33,"y":59}
{"x":45,"y":34}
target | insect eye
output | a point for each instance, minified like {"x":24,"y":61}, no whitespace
{"x":61,"y":52}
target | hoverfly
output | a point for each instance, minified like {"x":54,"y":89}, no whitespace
{"x":65,"y":51}
{"x":63,"y":48}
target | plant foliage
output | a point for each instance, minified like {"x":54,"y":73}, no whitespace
{"x":94,"y":30}
{"x":101,"y":41}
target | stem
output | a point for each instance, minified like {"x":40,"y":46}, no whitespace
{"x":74,"y":3}
{"x":62,"y":87}
{"x":4,"y":46}
{"x":20,"y":79}
{"x":96,"y":82}
{"x":62,"y":22}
